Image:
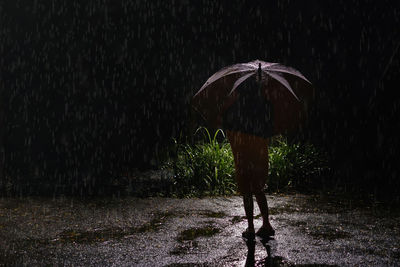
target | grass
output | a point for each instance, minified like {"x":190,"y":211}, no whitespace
{"x":207,"y":168}
{"x":296,"y":165}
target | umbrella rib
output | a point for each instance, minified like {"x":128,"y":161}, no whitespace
{"x":218,"y":76}
{"x":283,"y":81}
{"x":287,"y":70}
{"x":240,"y":80}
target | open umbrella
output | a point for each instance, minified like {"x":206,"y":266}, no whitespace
{"x":285,"y":88}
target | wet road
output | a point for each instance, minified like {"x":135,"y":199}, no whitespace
{"x":310,"y":230}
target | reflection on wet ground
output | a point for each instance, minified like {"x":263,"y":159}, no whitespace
{"x":310,"y":231}
{"x":270,"y":260}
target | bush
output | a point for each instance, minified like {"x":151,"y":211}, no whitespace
{"x":299,"y":166}
{"x":207,"y":168}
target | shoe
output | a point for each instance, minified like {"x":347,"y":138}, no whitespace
{"x":249,"y":235}
{"x":265,"y":232}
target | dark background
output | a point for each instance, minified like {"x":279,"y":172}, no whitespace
{"x":94,"y":89}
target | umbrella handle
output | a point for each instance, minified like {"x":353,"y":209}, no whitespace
{"x":259,"y":76}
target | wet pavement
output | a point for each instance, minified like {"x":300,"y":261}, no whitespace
{"x":310,"y":231}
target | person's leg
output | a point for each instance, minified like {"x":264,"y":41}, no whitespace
{"x":263,"y":205}
{"x":248,"y":208}
{"x":263,"y":165}
{"x":266,"y":228}
{"x":236,"y":141}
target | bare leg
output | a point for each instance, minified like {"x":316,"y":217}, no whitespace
{"x":248,"y":208}
{"x":263,"y":205}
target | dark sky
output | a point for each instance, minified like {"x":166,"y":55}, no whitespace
{"x":110,"y":82}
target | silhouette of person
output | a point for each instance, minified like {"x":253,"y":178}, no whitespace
{"x":248,"y":126}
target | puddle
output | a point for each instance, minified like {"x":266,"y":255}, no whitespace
{"x":186,"y":239}
{"x":237,"y":219}
{"x":92,"y":236}
{"x":193,"y":233}
{"x":101,"y":235}
{"x":213,"y":214}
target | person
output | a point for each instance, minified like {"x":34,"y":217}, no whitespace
{"x":248,"y":127}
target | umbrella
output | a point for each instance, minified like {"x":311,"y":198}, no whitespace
{"x":285,"y":88}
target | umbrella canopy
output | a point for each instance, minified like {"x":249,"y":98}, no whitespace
{"x":285,"y":88}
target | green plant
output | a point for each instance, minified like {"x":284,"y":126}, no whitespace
{"x":204,"y":169}
{"x":295,"y":165}
{"x":207,"y":168}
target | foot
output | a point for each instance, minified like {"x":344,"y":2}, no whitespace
{"x":265,"y":232}
{"x":249,"y":234}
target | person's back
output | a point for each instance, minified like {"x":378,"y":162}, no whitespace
{"x":251,"y":113}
